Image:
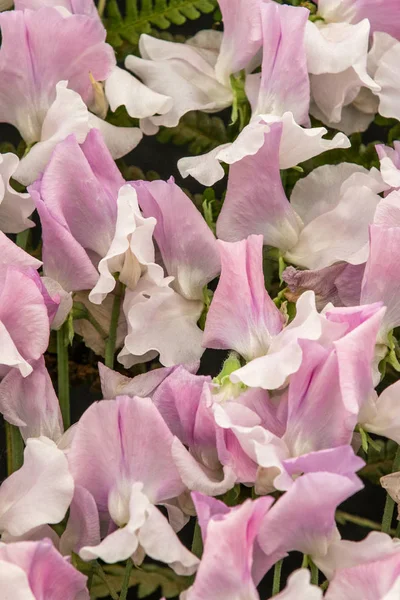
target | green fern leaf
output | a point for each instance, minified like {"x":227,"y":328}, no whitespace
{"x":199,"y":131}
{"x":147,"y":16}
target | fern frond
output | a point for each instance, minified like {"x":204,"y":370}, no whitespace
{"x":141,"y":16}
{"x":199,"y":131}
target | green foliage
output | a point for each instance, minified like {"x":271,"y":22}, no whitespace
{"x":149,"y":578}
{"x":199,"y":131}
{"x":148,"y":16}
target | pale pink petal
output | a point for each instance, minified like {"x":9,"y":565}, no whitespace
{"x":15,"y":208}
{"x":77,"y":46}
{"x":56,"y":291}
{"x":119,"y":140}
{"x":39,"y":492}
{"x":248,"y":208}
{"x":131,"y":251}
{"x":80,"y":7}
{"x":381,"y":414}
{"x":83,"y":526}
{"x":386,"y":77}
{"x":181,"y":72}
{"x":66,"y":115}
{"x":144,"y":385}
{"x":271,"y":371}
{"x":11,"y":254}
{"x":344,"y":553}
{"x":160,"y":542}
{"x":15,"y":582}
{"x":23,"y":314}
{"x":31,"y":403}
{"x":231,"y":535}
{"x":309,"y":506}
{"x":334,"y":47}
{"x":284,"y":78}
{"x":174,"y":335}
{"x":116,"y":432}
{"x":298,"y":587}
{"x":242,"y":316}
{"x":188,"y":248}
{"x":377,"y":580}
{"x":381,"y":278}
{"x":50,"y":576}
{"x":121,"y":88}
{"x":242,"y":36}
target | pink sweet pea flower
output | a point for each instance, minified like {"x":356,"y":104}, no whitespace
{"x":322,"y":205}
{"x":31,"y":403}
{"x":39,"y":493}
{"x":143,"y":475}
{"x":229,"y":533}
{"x":78,"y":7}
{"x":24,"y":321}
{"x":35,"y":570}
{"x":303,"y":519}
{"x":78,"y":47}
{"x":174,"y":304}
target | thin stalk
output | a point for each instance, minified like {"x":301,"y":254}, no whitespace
{"x":389,"y":506}
{"x":63,"y":373}
{"x":347,"y":517}
{"x":101,"y":6}
{"x":112,"y":335}
{"x":127,"y":578}
{"x":314,"y":573}
{"x":276,"y":584}
{"x":15,"y":448}
{"x":197,"y":543}
{"x":100,"y":573}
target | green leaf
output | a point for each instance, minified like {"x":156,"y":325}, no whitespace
{"x":145,"y":15}
{"x":148,"y":578}
{"x":199,"y":131}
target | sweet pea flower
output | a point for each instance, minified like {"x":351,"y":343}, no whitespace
{"x":277,"y":95}
{"x":323,"y":205}
{"x":87,"y":52}
{"x":78,"y":7}
{"x":24,"y":321}
{"x":35,"y":570}
{"x":369,"y":568}
{"x":382,"y":16}
{"x":337,"y":57}
{"x":15,"y":207}
{"x":192,"y":76}
{"x":389,"y":159}
{"x":303,"y":519}
{"x":174,"y":305}
{"x":46,"y":111}
{"x":229,"y":533}
{"x":39,"y":493}
{"x":31,"y":403}
{"x":127,"y":478}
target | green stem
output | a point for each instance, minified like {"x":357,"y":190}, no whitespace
{"x":344,"y":517}
{"x":389,"y":506}
{"x":127,"y":578}
{"x":101,"y":6}
{"x":112,"y":335}
{"x":276,"y":585}
{"x":22,"y":239}
{"x":314,"y":573}
{"x":100,"y":573}
{"x":63,"y":373}
{"x":197,"y":543}
{"x":15,"y":448}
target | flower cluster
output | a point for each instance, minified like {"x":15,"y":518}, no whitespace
{"x":289,"y":268}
